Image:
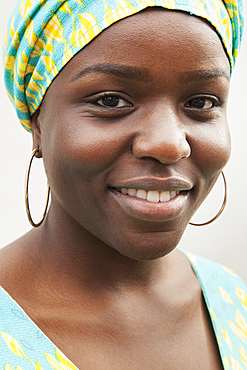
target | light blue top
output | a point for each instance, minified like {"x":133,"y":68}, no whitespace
{"x":23,"y":346}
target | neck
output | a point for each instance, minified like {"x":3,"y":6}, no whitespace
{"x":75,"y":256}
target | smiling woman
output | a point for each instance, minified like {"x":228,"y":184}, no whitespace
{"x":133,"y":133}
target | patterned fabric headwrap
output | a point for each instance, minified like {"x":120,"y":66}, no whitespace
{"x":43,"y":35}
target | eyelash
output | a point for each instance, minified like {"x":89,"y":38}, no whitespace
{"x":199,"y":99}
{"x":215,"y":102}
{"x":111,"y":97}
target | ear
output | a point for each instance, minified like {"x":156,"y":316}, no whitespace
{"x":36,"y":132}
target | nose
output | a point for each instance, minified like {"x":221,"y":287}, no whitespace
{"x":161,"y":136}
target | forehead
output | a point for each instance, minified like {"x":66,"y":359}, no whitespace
{"x":156,"y":41}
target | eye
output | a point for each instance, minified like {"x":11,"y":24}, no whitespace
{"x":202,"y":103}
{"x":112,"y":101}
{"x":109,"y":104}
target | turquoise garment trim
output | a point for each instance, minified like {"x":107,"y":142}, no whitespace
{"x":225,"y":295}
{"x":43,"y":35}
{"x":23,"y":344}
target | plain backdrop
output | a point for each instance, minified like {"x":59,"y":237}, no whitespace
{"x":223,"y":241}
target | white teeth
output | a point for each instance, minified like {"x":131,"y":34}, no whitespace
{"x":141,"y":194}
{"x":132,"y":192}
{"x":152,"y":195}
{"x":173,"y":194}
{"x":165,"y":196}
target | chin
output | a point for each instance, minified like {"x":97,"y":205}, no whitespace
{"x":150,"y":246}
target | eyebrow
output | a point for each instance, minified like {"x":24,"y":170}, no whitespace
{"x":122,"y":71}
{"x":142,"y":74}
{"x":205,"y":74}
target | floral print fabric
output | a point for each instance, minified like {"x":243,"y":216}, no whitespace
{"x":24,"y":347}
{"x":22,"y":344}
{"x":225,"y":295}
{"x":43,"y":35}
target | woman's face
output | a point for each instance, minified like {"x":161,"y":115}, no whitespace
{"x":134,"y":131}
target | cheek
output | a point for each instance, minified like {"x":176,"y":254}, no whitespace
{"x":211,"y":149}
{"x":80,"y":152}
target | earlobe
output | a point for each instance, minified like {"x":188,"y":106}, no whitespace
{"x":36,"y":132}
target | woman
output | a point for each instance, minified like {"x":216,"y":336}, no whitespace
{"x":133,"y":133}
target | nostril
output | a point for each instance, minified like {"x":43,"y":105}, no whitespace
{"x":187,"y":151}
{"x":166,"y":146}
{"x":164,"y":152}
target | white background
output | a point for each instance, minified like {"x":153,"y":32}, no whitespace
{"x":223,"y":241}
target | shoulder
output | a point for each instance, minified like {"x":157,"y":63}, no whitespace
{"x":219,"y":277}
{"x":213,"y":271}
{"x":225,"y":295}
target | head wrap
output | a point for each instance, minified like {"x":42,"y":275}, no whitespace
{"x":43,"y":35}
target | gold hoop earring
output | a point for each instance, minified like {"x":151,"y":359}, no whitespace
{"x":26,"y":193}
{"x":221,"y":209}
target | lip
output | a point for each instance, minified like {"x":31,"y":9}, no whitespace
{"x":156,"y":184}
{"x":149,"y":211}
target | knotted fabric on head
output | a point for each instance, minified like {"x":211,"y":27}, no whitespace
{"x":43,"y":35}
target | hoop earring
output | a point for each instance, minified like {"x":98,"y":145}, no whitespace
{"x":221,"y":209}
{"x":26,"y":193}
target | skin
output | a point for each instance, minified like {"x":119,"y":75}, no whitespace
{"x":92,"y":277}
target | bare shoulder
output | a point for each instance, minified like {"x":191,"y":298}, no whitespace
{"x":182,"y":269}
{"x":9,"y":259}
{"x":16,"y":265}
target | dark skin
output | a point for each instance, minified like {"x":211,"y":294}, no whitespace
{"x":101,"y":277}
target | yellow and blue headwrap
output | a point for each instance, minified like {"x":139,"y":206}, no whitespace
{"x":43,"y":35}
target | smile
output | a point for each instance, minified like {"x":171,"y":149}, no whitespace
{"x":150,"y":205}
{"x":151,"y":195}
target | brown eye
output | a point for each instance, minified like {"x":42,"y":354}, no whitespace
{"x":110,"y":101}
{"x":113,"y":101}
{"x":201,"y":103}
